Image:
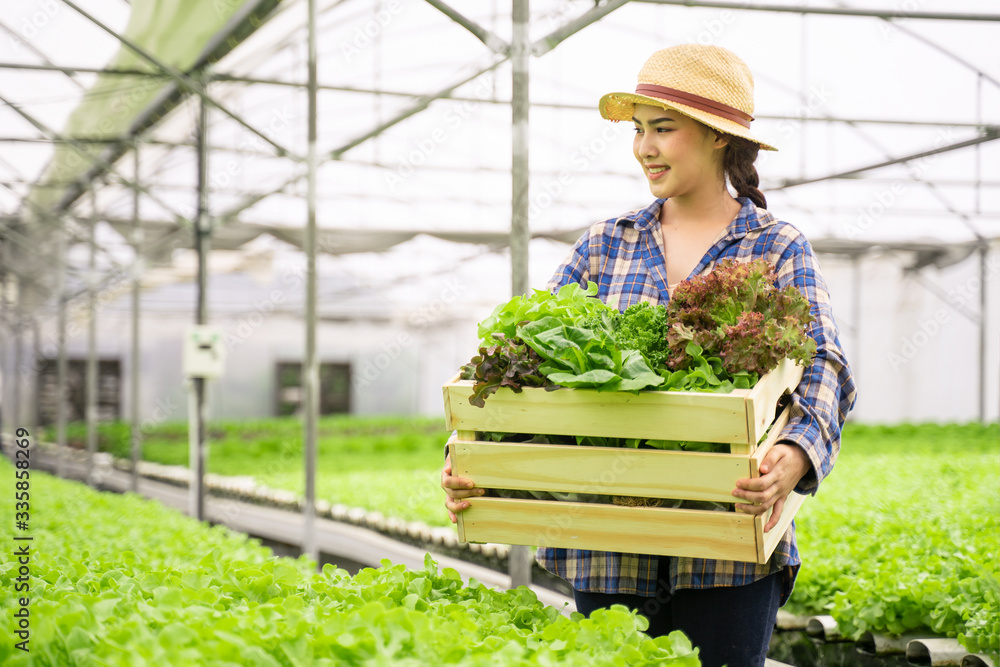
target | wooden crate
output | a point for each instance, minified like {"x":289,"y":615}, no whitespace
{"x":740,"y":419}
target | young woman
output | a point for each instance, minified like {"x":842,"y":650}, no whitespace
{"x":692,"y":111}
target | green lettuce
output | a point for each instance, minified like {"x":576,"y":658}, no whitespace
{"x":584,"y":357}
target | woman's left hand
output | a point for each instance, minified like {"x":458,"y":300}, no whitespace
{"x":780,"y":472}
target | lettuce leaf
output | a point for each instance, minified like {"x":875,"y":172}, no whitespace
{"x":581,"y":357}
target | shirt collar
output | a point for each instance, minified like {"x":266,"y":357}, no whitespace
{"x":750,"y":218}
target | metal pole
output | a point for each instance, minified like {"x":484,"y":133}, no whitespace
{"x":61,"y":343}
{"x":519,"y":232}
{"x":987,"y":134}
{"x":983,"y":320}
{"x":136,"y":433}
{"x":36,"y":360}
{"x":856,"y":313}
{"x":310,"y":366}
{"x":898,"y":13}
{"x":91,"y":397}
{"x":520,"y":556}
{"x":202,"y":237}
{"x":983,"y":249}
{"x":4,"y":370}
{"x":18,"y":367}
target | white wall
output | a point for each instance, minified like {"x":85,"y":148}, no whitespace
{"x":917,"y":358}
{"x":918,"y":354}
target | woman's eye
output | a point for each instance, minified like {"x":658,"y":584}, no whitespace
{"x":638,"y":130}
{"x":664,"y":129}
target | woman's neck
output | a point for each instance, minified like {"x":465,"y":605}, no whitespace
{"x":698,"y":209}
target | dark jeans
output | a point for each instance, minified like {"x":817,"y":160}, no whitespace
{"x":730,"y":626}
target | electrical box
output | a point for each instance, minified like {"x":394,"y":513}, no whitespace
{"x":204,"y":352}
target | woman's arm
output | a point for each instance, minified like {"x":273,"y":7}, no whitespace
{"x":576,"y":268}
{"x":827,"y":391}
{"x":810,"y":443}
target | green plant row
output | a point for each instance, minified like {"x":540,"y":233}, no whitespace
{"x":407,"y":452}
{"x":904,"y":535}
{"x":119,"y":580}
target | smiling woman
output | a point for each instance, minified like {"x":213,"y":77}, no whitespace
{"x":692,"y":112}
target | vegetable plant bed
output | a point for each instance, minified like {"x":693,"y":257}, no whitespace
{"x":741,"y":419}
{"x":114,"y":581}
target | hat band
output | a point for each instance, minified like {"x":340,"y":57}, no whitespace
{"x":696,"y":101}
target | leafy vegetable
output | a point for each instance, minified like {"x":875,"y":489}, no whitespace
{"x":569,"y":304}
{"x":736,"y":314}
{"x":507,"y":362}
{"x":571,"y":331}
{"x":114,"y":581}
{"x":904,"y":537}
{"x":720,"y":332}
{"x":586,"y":357}
{"x":706,"y":374}
{"x":644,"y":327}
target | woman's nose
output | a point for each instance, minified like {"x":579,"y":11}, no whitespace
{"x":647,"y":147}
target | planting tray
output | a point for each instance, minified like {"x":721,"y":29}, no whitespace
{"x":740,"y":419}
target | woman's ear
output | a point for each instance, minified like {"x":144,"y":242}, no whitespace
{"x":721,"y":140}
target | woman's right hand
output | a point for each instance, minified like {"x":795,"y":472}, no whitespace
{"x":458,"y":490}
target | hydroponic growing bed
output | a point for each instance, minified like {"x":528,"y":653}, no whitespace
{"x":119,"y":580}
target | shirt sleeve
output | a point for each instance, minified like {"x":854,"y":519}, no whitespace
{"x":826,"y":392}
{"x":576,"y":268}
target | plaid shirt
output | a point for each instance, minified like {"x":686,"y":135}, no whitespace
{"x":624,"y":257}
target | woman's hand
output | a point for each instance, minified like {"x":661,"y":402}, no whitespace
{"x":458,"y":489}
{"x":780,"y":472}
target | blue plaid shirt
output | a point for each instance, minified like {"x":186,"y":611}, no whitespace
{"x":624,"y":257}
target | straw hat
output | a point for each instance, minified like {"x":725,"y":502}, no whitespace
{"x":708,"y":83}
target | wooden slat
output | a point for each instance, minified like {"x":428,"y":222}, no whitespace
{"x":769,"y":441}
{"x":603,"y":470}
{"x":447,"y":404}
{"x":763,"y":399}
{"x":455,"y":457}
{"x":771,"y":539}
{"x":758,"y":529}
{"x":692,"y":533}
{"x":656,"y":414}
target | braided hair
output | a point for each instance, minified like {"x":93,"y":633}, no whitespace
{"x":738,"y":167}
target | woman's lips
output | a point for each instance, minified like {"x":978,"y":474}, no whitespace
{"x":655,"y":172}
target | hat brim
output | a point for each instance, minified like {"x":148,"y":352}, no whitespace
{"x":621,"y":106}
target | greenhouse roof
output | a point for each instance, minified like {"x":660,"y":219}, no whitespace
{"x":885,"y":119}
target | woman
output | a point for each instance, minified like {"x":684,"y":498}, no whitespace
{"x":692,"y":111}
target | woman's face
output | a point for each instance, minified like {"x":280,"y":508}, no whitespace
{"x":679,"y":155}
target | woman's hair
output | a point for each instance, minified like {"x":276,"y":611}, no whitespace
{"x":737,"y":165}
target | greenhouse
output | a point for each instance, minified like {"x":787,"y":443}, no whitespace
{"x":247,"y":246}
